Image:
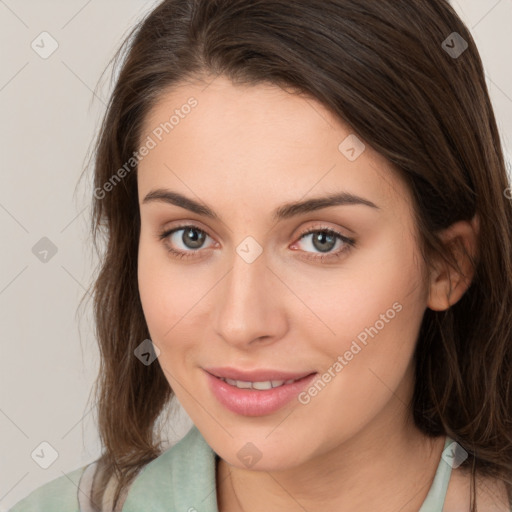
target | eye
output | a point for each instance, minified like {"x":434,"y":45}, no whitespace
{"x":188,"y":239}
{"x":325,"y":240}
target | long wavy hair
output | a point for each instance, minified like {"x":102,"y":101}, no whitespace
{"x":384,"y":67}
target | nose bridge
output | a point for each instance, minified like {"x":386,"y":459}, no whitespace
{"x":249,"y":306}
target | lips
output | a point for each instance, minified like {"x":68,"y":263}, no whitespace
{"x":256,"y":392}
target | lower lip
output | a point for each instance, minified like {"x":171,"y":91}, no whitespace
{"x":252,"y":402}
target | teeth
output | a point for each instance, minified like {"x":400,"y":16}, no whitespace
{"x":261,"y":386}
{"x":239,"y":384}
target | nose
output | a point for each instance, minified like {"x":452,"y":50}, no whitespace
{"x":250,"y":305}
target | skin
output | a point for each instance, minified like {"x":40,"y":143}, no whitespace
{"x":244,"y":151}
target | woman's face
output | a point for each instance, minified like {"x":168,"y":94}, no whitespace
{"x":247,"y":290}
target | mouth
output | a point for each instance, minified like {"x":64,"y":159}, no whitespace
{"x":256,"y":393}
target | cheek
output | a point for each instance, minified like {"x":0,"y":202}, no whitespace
{"x":174,"y":298}
{"x":377,"y":287}
{"x":374,"y":312}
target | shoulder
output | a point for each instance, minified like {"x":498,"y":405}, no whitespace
{"x":491,"y":494}
{"x":59,"y":495}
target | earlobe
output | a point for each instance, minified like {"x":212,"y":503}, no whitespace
{"x":448,"y":284}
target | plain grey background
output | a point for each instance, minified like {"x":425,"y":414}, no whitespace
{"x":49,"y":117}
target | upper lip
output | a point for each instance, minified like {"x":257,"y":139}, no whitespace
{"x":260,"y":375}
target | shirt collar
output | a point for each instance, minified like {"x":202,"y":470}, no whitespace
{"x":182,"y":478}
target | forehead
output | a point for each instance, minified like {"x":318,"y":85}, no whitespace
{"x":258,"y":141}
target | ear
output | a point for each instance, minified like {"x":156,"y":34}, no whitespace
{"x":448,"y":284}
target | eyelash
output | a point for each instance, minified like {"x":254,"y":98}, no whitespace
{"x":349,"y":243}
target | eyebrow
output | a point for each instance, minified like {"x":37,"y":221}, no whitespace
{"x":285,"y":211}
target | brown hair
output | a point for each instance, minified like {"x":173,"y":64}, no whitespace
{"x":382,"y":67}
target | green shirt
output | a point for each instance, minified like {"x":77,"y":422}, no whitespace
{"x":182,"y":479}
